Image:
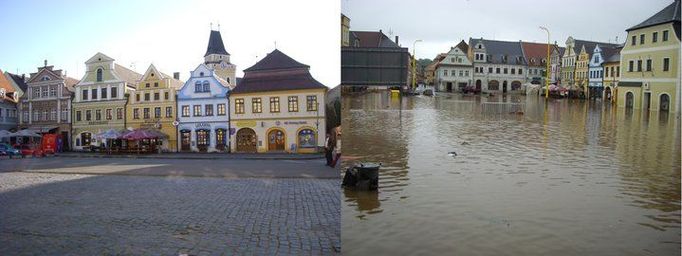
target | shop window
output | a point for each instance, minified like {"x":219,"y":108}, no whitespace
{"x":307,"y":139}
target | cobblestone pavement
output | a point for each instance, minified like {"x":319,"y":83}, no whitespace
{"x":74,"y":214}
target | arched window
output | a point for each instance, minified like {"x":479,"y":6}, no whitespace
{"x":207,"y":86}
{"x":197,"y":87}
{"x":201,"y":73}
{"x":99,"y":75}
{"x":306,"y":139}
{"x":664,"y":102}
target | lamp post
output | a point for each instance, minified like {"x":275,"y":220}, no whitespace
{"x":414,"y":63}
{"x":229,"y":123}
{"x":317,"y":124}
{"x":547,"y":68}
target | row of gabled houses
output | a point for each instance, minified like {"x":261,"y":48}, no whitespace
{"x":276,"y":107}
{"x":642,"y":73}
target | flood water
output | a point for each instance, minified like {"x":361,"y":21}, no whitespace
{"x":568,"y":177}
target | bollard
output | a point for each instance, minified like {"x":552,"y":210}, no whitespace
{"x":363,"y":176}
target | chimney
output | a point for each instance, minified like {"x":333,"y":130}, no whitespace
{"x":176,"y":75}
{"x":23,"y":77}
{"x":396,"y":40}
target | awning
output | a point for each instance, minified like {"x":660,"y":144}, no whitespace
{"x":630,"y":84}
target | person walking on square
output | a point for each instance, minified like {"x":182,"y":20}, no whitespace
{"x":328,"y":149}
{"x":337,"y":145}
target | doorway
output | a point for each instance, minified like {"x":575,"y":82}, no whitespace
{"x":276,"y":140}
{"x":185,"y":140}
{"x":86,"y":139}
{"x":629,"y":99}
{"x":65,"y":141}
{"x":246,"y":140}
{"x":647,"y":101}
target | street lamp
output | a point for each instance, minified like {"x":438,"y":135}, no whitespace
{"x":317,"y":125}
{"x":414,"y":63}
{"x":229,"y":123}
{"x":547,"y":68}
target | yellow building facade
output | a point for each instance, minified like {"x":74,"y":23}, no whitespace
{"x":153,"y":106}
{"x":650,"y":64}
{"x":100,"y":100}
{"x":278,"y":107}
{"x":611,"y":78}
{"x":582,"y":67}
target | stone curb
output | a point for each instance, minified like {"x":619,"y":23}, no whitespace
{"x":183,"y":175}
{"x":196,"y":157}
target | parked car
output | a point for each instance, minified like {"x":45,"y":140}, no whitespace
{"x":31,"y":150}
{"x":7,"y":150}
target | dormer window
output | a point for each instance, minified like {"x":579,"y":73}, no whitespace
{"x":479,"y":46}
{"x":198,"y":87}
{"x":99,"y":75}
{"x":206,"y":86}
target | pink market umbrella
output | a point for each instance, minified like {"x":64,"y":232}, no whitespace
{"x":139,"y":134}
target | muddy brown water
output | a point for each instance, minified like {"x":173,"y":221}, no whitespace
{"x":530,"y":178}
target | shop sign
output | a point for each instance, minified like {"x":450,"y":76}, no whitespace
{"x":202,"y":125}
{"x":245,"y":123}
{"x":98,"y":122}
{"x":295,"y":122}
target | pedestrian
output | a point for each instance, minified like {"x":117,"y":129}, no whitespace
{"x":328,"y":149}
{"x":337,"y":145}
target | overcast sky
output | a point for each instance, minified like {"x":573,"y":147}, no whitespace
{"x":171,"y":34}
{"x":444,"y":23}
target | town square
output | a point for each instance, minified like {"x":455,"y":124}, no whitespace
{"x":512,"y":127}
{"x":166,"y":136}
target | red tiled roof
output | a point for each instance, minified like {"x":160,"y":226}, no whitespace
{"x":4,"y":83}
{"x":536,"y":51}
{"x":276,"y":60}
{"x":277,"y":72}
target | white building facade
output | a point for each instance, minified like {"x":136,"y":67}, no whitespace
{"x":455,"y":71}
{"x":499,"y":66}
{"x":203,"y":122}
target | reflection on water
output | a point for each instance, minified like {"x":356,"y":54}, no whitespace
{"x":563,"y":177}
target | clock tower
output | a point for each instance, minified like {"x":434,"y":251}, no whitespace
{"x":218,"y":58}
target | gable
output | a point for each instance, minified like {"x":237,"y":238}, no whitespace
{"x":44,"y":73}
{"x":202,"y":68}
{"x":152,"y":74}
{"x":98,"y":58}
